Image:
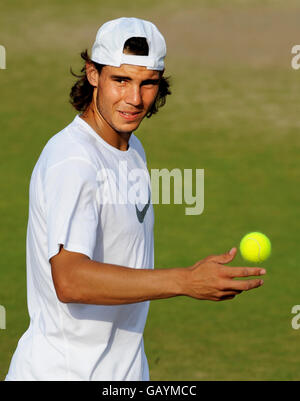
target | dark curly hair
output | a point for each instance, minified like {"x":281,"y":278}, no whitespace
{"x":82,"y":91}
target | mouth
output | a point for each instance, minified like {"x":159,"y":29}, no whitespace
{"x":129,"y":115}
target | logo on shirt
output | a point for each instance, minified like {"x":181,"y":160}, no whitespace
{"x":142,"y":213}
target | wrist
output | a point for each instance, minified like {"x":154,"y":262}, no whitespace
{"x":180,"y":280}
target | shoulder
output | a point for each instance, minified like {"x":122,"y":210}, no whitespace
{"x":70,"y":144}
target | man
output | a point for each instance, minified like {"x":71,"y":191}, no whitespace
{"x":90,"y":257}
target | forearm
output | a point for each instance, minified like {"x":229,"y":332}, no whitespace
{"x":77,"y":279}
{"x":91,"y":282}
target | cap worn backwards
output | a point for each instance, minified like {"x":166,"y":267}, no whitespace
{"x":111,"y":37}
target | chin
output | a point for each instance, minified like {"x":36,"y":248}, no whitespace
{"x":127,"y":128}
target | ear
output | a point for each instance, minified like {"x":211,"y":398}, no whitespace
{"x":92,"y":74}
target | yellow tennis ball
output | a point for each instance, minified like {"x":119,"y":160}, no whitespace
{"x":255,"y":247}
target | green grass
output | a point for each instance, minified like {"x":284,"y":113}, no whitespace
{"x":233,"y":113}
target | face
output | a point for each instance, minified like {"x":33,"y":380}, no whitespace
{"x":126,"y":94}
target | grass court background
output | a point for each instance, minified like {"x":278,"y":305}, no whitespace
{"x":234,"y":111}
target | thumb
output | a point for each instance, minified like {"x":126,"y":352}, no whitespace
{"x":225,"y":257}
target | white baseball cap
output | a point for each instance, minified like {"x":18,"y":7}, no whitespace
{"x":111,"y":37}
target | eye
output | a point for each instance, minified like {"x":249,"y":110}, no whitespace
{"x":120,"y":80}
{"x":150,"y":82}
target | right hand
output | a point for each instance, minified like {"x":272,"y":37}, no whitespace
{"x":210,"y":280}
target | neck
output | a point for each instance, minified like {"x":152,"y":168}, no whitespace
{"x":94,"y":118}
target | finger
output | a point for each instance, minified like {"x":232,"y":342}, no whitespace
{"x":227,"y":297}
{"x":224,"y":258}
{"x":231,"y":293}
{"x":244,"y":285}
{"x":224,"y":295}
{"x":244,"y":271}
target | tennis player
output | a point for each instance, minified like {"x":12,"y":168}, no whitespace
{"x":90,"y":260}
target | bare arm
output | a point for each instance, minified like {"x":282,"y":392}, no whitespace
{"x":77,"y":279}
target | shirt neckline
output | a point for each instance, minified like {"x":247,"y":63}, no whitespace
{"x":92,"y":132}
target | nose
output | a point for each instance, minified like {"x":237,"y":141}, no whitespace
{"x":134,"y":96}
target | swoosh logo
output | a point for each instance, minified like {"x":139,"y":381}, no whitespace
{"x":142,"y":213}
